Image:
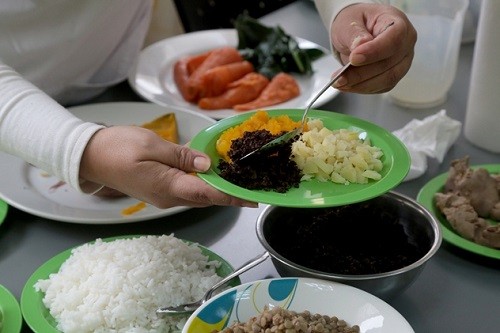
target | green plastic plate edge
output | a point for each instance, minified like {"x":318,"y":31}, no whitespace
{"x":11,"y":319}
{"x":311,"y":193}
{"x":4,"y":208}
{"x":426,"y":198}
{"x":37,"y":316}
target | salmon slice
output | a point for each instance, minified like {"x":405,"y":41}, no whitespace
{"x":282,"y":88}
{"x":181,"y":78}
{"x":216,"y":80}
{"x":183,"y":68}
{"x":240,"y":91}
{"x":218,"y":57}
{"x":193,"y":62}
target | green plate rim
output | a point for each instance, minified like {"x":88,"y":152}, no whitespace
{"x":426,"y":197}
{"x":394,"y":174}
{"x":12,"y":319}
{"x":4,"y":208}
{"x":34,"y":312}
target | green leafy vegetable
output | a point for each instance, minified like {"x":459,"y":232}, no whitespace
{"x":271,"y":50}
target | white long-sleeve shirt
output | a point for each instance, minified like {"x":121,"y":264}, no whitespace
{"x":58,"y":52}
{"x":55,"y":52}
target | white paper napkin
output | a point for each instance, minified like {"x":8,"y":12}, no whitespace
{"x":429,"y":137}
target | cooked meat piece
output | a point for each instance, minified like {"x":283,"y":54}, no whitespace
{"x":490,"y":237}
{"x":470,"y":195}
{"x":495,"y":212}
{"x":460,"y":214}
{"x":458,"y":171}
{"x":476,"y":184}
{"x":464,"y":220}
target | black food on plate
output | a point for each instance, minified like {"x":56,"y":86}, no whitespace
{"x":270,"y":170}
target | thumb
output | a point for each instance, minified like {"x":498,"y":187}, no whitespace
{"x":349,"y":31}
{"x":358,"y":35}
{"x":186,"y":159}
{"x":180,"y":157}
{"x":351,"y":36}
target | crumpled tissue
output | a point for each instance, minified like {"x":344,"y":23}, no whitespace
{"x":429,"y":137}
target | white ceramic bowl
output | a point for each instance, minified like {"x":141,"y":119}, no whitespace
{"x":240,"y":303}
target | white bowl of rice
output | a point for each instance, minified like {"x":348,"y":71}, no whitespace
{"x":116,"y":285}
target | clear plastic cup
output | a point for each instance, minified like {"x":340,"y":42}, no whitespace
{"x":439,"y":26}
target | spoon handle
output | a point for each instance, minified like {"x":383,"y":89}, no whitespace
{"x":325,"y":88}
{"x":249,"y":264}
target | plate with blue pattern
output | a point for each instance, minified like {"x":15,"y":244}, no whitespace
{"x":243,"y":302}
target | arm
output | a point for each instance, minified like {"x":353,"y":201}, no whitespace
{"x":130,"y":159}
{"x":136,"y":161}
{"x":40,"y":131}
{"x":379,"y":59}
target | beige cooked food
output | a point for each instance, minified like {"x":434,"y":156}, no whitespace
{"x":340,"y":156}
{"x":276,"y":320}
{"x":470,"y":196}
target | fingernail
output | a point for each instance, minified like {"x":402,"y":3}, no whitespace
{"x":358,"y":59}
{"x":201,"y":163}
{"x":342,"y":81}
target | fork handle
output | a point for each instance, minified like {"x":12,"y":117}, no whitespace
{"x":245,"y":267}
{"x":325,"y":88}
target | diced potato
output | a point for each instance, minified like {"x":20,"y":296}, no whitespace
{"x":372,"y":174}
{"x":339,"y":156}
{"x":337,"y":178}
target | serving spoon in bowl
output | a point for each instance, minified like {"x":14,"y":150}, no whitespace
{"x":286,"y":137}
{"x":191,"y":307}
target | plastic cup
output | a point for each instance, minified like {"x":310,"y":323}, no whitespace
{"x":439,"y":26}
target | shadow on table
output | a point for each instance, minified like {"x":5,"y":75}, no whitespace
{"x":472,"y":257}
{"x":202,"y":225}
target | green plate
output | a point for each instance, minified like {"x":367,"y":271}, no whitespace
{"x":396,"y":164}
{"x":426,"y":198}
{"x":11,"y":319}
{"x":37,"y":316}
{"x":3,"y":213}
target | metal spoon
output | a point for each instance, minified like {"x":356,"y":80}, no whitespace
{"x":284,"y":138}
{"x":191,"y":307}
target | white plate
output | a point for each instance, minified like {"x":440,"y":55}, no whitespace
{"x":330,"y":298}
{"x":152,"y":76}
{"x":29,"y":188}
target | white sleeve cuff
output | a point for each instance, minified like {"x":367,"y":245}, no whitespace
{"x":40,"y":131}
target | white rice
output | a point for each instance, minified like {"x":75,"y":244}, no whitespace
{"x":117,"y":286}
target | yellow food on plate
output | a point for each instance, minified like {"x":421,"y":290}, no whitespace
{"x":134,"y":208}
{"x":259,"y":121}
{"x":165,"y":126}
